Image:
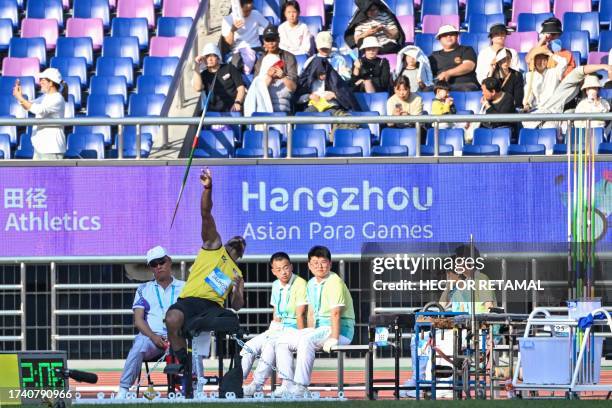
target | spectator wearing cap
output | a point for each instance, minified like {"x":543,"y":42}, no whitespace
{"x":294,"y":35}
{"x":151,"y":302}
{"x":375,"y":19}
{"x":592,"y":102}
{"x":370,"y":72}
{"x":496,"y":101}
{"x":229,"y":90}
{"x":511,"y":80}
{"x":324,"y":44}
{"x":454,"y":63}
{"x":550,"y":37}
{"x":487,"y":56}
{"x":49,"y":142}
{"x":278,"y":72}
{"x":545,"y":74}
{"x":240,"y":31}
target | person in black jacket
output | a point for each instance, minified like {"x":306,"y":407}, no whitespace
{"x":512,"y":81}
{"x":496,"y":101}
{"x":371,"y":73}
{"x":375,"y":18}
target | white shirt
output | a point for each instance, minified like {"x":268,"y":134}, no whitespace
{"x":248,"y":35}
{"x":296,"y":39}
{"x":156,"y":301}
{"x":587,"y":106}
{"x":543,"y":86}
{"x":486,"y":56}
{"x":48,"y":139}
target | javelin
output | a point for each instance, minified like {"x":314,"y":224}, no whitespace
{"x":193,"y":147}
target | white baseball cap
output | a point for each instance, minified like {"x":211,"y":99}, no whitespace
{"x":211,"y":48}
{"x":156,"y":253}
{"x":446,"y":29}
{"x":370,"y":42}
{"x":52,"y":74}
{"x":324,"y":40}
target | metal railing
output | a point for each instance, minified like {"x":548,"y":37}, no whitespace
{"x":21,"y":312}
{"x":419,"y":121}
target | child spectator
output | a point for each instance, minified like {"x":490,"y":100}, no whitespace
{"x":294,"y":35}
{"x":371,"y":73}
{"x":443,"y":104}
{"x":414,"y":65}
{"x":592,"y":103}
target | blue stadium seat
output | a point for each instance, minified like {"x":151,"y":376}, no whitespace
{"x":74,"y":89}
{"x":307,"y":143}
{"x":9,"y":10}
{"x":109,"y":85}
{"x":5,"y":146}
{"x":215,"y":144}
{"x":71,"y":66}
{"x":6,"y":33}
{"x":519,"y":149}
{"x":427,"y":42}
{"x":28,"y":48}
{"x":477,"y":41}
{"x":153,"y":84}
{"x":439,"y":8}
{"x":122,"y":47}
{"x":75,"y":47}
{"x":561,"y":148}
{"x":605,"y":41}
{"x":281,"y":128}
{"x":373,"y":102}
{"x":401,"y":7}
{"x":344,"y":8}
{"x":396,"y":142}
{"x":427,"y":98}
{"x":105,"y":131}
{"x":605,"y":12}
{"x":146,"y":105}
{"x":28,"y":87}
{"x":350,"y":143}
{"x":84,"y":146}
{"x":480,"y":150}
{"x":237,"y":129}
{"x":534,"y":141}
{"x":577,"y":41}
{"x":109,"y":66}
{"x":374,"y":127}
{"x":11,"y":131}
{"x":450,"y":142}
{"x":588,"y":22}
{"x":10,"y":107}
{"x":499,"y":137}
{"x":487,"y":7}
{"x":531,"y":21}
{"x":325,"y":126}
{"x":268,"y":8}
{"x":46,"y":9}
{"x":92,"y":9}
{"x":159,"y":65}
{"x":467,"y":101}
{"x":129,"y":145}
{"x":480,"y":23}
{"x":252,"y":144}
{"x":105,"y":105}
{"x":131,"y":27}
{"x":314,"y":23}
{"x":338,"y":26}
{"x":25,"y":149}
{"x":300,"y":59}
{"x":174,"y":26}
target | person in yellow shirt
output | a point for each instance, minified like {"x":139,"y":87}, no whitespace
{"x":213,"y":278}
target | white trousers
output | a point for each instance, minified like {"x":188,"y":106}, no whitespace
{"x":142,"y":349}
{"x":306,"y":343}
{"x":263,"y":345}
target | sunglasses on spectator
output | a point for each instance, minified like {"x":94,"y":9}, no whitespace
{"x":157,"y":262}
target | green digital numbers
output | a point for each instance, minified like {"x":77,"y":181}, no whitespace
{"x":27,"y":375}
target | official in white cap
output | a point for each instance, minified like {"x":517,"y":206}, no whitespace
{"x":324,"y":43}
{"x":49,"y":142}
{"x":592,"y":103}
{"x":454,"y":63}
{"x":152,"y":301}
{"x":229,"y":90}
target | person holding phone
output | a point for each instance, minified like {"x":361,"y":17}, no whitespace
{"x":374,"y":19}
{"x":403,"y":102}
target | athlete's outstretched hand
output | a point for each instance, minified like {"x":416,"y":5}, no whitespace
{"x":206,"y":178}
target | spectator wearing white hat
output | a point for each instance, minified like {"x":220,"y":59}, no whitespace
{"x":324,"y":43}
{"x":511,"y":79}
{"x":487,"y":56}
{"x":229,"y":90}
{"x":152,"y":301}
{"x":370,"y":72}
{"x":592,"y":103}
{"x":454,"y":63}
{"x":49,"y":142}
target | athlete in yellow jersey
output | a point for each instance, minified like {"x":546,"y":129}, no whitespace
{"x":213,"y":277}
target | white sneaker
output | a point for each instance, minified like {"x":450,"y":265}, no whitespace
{"x":299,"y":391}
{"x":122,"y":394}
{"x":283,"y":391}
{"x":251,"y":389}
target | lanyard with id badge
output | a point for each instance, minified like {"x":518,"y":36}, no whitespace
{"x":218,"y":281}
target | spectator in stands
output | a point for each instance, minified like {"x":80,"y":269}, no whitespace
{"x":592,"y":103}
{"x":294,"y":35}
{"x":240,"y":31}
{"x":404,"y":102}
{"x":320,"y":89}
{"x":324,"y":44}
{"x":289,"y":304}
{"x":454,"y":63}
{"x":550,"y":37}
{"x":229,"y":90}
{"x":213,"y":278}
{"x":414,"y":65}
{"x":373,"y":18}
{"x":49,"y":142}
{"x":545,"y":73}
{"x":151,"y":302}
{"x":511,"y":79}
{"x":443,"y":103}
{"x":275,"y":78}
{"x":370,"y":72}
{"x":487,"y":57}
{"x":331,"y":322}
{"x":496,"y":101}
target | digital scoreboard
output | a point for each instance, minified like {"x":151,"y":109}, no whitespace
{"x":30,"y":377}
